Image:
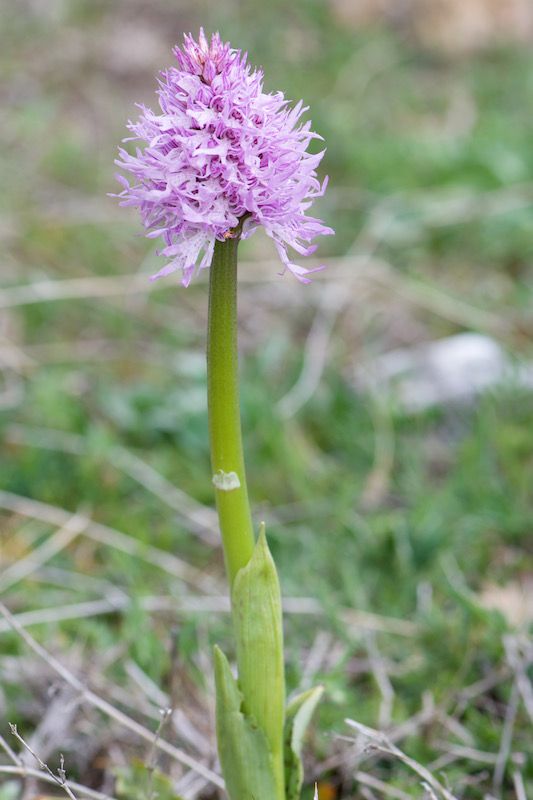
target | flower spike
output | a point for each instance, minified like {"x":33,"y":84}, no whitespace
{"x":219,"y":150}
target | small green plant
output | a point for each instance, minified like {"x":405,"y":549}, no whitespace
{"x":221,"y":159}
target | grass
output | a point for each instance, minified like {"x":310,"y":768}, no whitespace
{"x":431,"y":171}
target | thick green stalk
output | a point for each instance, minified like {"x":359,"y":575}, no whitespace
{"x":253,"y":763}
{"x":227,"y":457}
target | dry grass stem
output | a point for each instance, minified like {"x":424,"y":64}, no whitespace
{"x":457,"y":751}
{"x":469,"y":693}
{"x":147,"y":686}
{"x":519,"y":653}
{"x":55,"y":543}
{"x":94,"y":608}
{"x":106,"y":708}
{"x":411,"y":727}
{"x":200,"y":519}
{"x":60,"y":778}
{"x":206,"y":604}
{"x":519,"y":786}
{"x":74,"y":288}
{"x":333,"y":299}
{"x":379,"y":671}
{"x":28,"y":772}
{"x":111,"y":537}
{"x":316,"y":658}
{"x":384,"y":788}
{"x":506,"y":739}
{"x":10,"y":752}
{"x":343,"y":269}
{"x":152,"y":756}
{"x":381,"y":743}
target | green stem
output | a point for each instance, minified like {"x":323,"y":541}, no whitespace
{"x":227,"y":457}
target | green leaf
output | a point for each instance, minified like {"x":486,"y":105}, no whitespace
{"x":299,"y":713}
{"x":257,"y":615}
{"x":245,"y":756}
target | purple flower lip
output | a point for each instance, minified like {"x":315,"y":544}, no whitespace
{"x":221,"y":153}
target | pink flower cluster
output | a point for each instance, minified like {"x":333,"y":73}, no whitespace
{"x":221,"y":150}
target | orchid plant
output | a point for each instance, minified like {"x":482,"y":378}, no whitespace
{"x":220,"y":159}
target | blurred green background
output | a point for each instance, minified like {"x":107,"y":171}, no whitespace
{"x":412,"y":529}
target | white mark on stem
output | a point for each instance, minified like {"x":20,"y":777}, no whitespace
{"x":226,"y":481}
